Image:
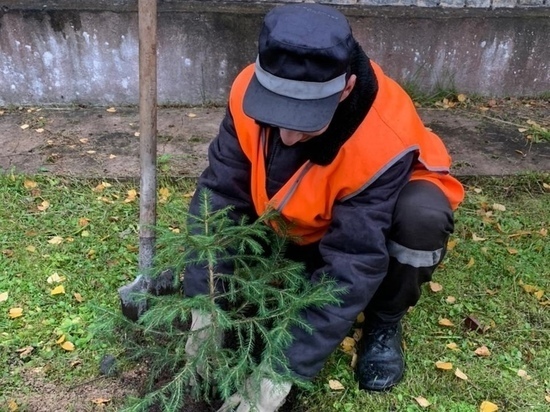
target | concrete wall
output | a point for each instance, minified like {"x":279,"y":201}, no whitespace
{"x":86,"y":51}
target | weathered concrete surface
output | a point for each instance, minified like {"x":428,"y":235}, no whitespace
{"x":87,"y":142}
{"x":87,"y":52}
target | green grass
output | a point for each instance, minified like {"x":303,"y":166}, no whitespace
{"x":483,"y":275}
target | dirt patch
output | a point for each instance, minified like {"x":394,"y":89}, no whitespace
{"x":483,"y":138}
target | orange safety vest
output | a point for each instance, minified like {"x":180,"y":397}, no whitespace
{"x":391,"y":129}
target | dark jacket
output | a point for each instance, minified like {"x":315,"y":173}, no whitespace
{"x":353,"y":251}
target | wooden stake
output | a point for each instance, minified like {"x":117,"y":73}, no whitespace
{"x":147,"y":12}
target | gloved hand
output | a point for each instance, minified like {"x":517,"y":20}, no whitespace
{"x":199,"y":320}
{"x":272,"y":395}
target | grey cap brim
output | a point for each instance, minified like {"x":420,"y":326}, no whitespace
{"x":288,"y":113}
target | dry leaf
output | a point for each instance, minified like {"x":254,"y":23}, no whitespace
{"x":60,"y":340}
{"x":3,"y":296}
{"x":43,"y":206}
{"x":58,"y":290}
{"x":528,"y":288}
{"x":55,"y":278}
{"x":353,"y":362}
{"x":539,"y":294}
{"x":476,"y":238}
{"x":39,"y":130}
{"x":164,"y":194}
{"x":131,"y":196}
{"x":445,"y":322}
{"x":446,"y":366}
{"x":461,"y":98}
{"x":471,"y":323}
{"x":335,"y":385}
{"x":523,"y":374}
{"x":451,"y":244}
{"x":423,"y":402}
{"x":12,"y":406}
{"x":499,"y":207}
{"x":101,"y":401}
{"x":24,"y":352}
{"x":435,"y":287}
{"x":83,"y":221}
{"x":56,"y":240}
{"x":470,"y":263}
{"x":191,"y":115}
{"x":90,"y":151}
{"x":15,"y":313}
{"x":78,"y":297}
{"x":512,"y":251}
{"x":112,"y":156}
{"x":543,"y":232}
{"x":483,"y":351}
{"x":29,"y":184}
{"x":460,"y":375}
{"x":450,"y":300}
{"x":31,"y":249}
{"x":487,"y":406}
{"x":348,"y":345}
{"x":24,"y":126}
{"x":68,"y":346}
{"x":360,"y":318}
{"x":547,"y":398}
{"x":111,"y":110}
{"x":452,"y":346}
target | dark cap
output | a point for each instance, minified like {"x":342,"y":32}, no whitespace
{"x":304,"y":52}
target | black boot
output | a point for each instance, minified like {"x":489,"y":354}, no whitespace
{"x":381,"y":363}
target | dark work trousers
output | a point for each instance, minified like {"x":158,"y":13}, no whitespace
{"x":422,"y":223}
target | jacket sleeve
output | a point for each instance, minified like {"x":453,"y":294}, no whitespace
{"x":227,"y":177}
{"x":355,"y":255}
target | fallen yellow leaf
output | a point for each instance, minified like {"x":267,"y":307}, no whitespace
{"x":445,"y":322}
{"x":24,"y":126}
{"x":460,"y":375}
{"x":451,"y":244}
{"x":56,"y":240}
{"x":471,"y":263}
{"x":131,"y":196}
{"x":29,"y":184}
{"x":461,"y":98}
{"x":450,"y":299}
{"x":360,"y":318}
{"x":68,"y":346}
{"x":60,"y":340}
{"x":423,"y":402}
{"x":111,"y":110}
{"x":547,"y":398}
{"x":30,"y":248}
{"x":477,"y":238}
{"x":435,"y":287}
{"x":539,"y":294}
{"x":4,"y":296}
{"x":483,"y":351}
{"x":523,"y":374}
{"x":16,"y":313}
{"x":446,"y":366}
{"x":487,"y":406}
{"x":452,"y":346}
{"x":58,"y":290}
{"x":348,"y":344}
{"x":83,"y":221}
{"x":101,"y":401}
{"x":43,"y":206}
{"x":164,"y":194}
{"x":55,"y":278}
{"x":78,"y":297}
{"x":335,"y":385}
{"x":12,"y":406}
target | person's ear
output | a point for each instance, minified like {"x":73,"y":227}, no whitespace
{"x":349,"y":87}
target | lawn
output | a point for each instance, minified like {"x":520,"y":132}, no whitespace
{"x":67,"y":245}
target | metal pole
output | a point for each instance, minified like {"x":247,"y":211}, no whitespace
{"x":147,"y":16}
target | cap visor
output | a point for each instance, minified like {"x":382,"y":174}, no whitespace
{"x":303,"y":115}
